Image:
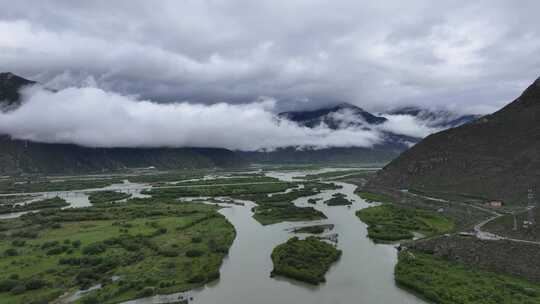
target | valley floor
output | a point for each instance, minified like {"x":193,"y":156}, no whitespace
{"x":114,"y":238}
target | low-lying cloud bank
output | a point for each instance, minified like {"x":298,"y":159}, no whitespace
{"x":93,"y":117}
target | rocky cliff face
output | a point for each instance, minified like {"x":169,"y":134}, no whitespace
{"x":495,"y":157}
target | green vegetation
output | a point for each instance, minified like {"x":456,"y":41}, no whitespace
{"x":335,"y":174}
{"x":338,"y":199}
{"x":274,"y":205}
{"x":392,"y":223}
{"x":280,"y":212}
{"x":103,"y":197}
{"x":151,"y":245}
{"x":445,"y":282}
{"x":235,"y":191}
{"x":253,"y":178}
{"x":315,"y":229}
{"x":313,"y":201}
{"x":166,"y":176}
{"x":279,"y":207}
{"x":374,"y":197}
{"x":304,"y":260}
{"x":54,"y":202}
{"x":12,"y":186}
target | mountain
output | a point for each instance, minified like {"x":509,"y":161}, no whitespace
{"x":494,"y":157}
{"x":292,"y":155}
{"x":335,"y":117}
{"x":440,"y":119}
{"x":17,"y":156}
{"x":10,"y":84}
{"x":345,"y":115}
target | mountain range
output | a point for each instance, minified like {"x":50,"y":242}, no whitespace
{"x":345,"y":115}
{"x":495,"y":157}
{"x":18,"y":156}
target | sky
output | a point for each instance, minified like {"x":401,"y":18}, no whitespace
{"x":466,"y":56}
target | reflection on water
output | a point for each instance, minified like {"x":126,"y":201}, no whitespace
{"x":364,"y":273}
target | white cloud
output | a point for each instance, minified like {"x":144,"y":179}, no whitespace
{"x":90,"y":116}
{"x":407,"y":125}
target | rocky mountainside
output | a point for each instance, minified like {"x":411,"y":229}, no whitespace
{"x":17,"y":156}
{"x":495,"y":157}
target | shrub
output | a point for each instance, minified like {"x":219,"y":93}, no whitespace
{"x":18,"y":243}
{"x":19,"y":289}
{"x":7,"y":285}
{"x":49,"y":244}
{"x":76,"y":243}
{"x":193,"y":253}
{"x":57,"y":250}
{"x":11,"y":252}
{"x":94,"y":248}
{"x":168,"y":253}
{"x":196,"y":239}
{"x":34,"y":284}
{"x":199,"y":278}
{"x":90,"y":299}
{"x":146,"y":292}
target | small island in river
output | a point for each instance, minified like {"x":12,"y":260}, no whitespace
{"x":305,"y":260}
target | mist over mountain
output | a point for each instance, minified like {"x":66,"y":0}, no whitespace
{"x":339,"y":133}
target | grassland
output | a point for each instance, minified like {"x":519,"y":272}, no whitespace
{"x":104,"y":197}
{"x":279,"y":207}
{"x":314,"y":229}
{"x":281,"y":212}
{"x":273,"y":204}
{"x":151,"y":245}
{"x":54,"y":202}
{"x":251,"y":178}
{"x":333,"y":174}
{"x":304,"y":260}
{"x":392,"y":223}
{"x":235,"y":191}
{"x":374,"y":197}
{"x":12,"y":186}
{"x":444,"y":282}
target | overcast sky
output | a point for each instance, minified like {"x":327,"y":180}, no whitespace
{"x":226,"y":67}
{"x":470,"y":55}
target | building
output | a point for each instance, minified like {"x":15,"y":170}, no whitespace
{"x":494,"y":204}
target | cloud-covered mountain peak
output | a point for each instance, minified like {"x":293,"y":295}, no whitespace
{"x":435,"y":118}
{"x":339,"y":116}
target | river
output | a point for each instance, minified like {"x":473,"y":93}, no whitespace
{"x":364,"y":274}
